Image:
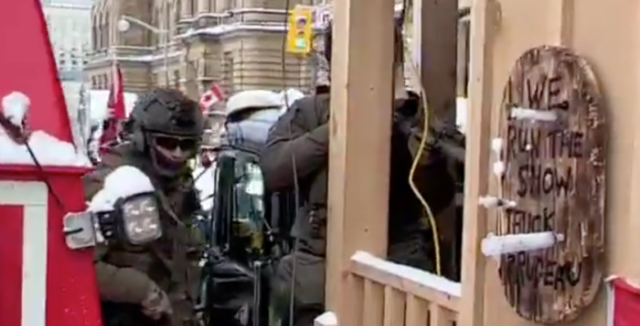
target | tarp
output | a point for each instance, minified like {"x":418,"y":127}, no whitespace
{"x":623,"y":302}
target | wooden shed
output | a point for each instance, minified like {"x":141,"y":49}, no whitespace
{"x":593,"y":46}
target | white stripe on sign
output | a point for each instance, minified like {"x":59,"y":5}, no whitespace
{"x":33,"y":196}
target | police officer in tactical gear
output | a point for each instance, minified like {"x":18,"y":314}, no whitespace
{"x":300,"y":140}
{"x":155,"y":284}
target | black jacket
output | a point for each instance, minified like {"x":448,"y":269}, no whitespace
{"x":300,"y":138}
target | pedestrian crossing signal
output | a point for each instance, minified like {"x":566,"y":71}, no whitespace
{"x":299,"y":31}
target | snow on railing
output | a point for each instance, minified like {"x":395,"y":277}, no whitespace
{"x":399,"y":295}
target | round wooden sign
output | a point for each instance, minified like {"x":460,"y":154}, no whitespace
{"x":553,"y":131}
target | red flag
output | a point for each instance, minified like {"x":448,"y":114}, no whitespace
{"x":211,"y":97}
{"x":111,"y":129}
{"x":623,"y":302}
{"x":111,"y":126}
{"x":116,"y":94}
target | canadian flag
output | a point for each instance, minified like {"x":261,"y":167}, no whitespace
{"x":211,"y":97}
{"x":623,"y":306}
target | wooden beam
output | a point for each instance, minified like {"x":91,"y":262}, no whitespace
{"x":438,"y":40}
{"x":361,"y":111}
{"x":478,"y":158}
{"x":438,"y":43}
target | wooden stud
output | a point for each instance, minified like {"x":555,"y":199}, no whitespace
{"x":360,"y":132}
{"x":478,"y":168}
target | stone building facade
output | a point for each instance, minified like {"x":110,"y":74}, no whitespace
{"x":235,"y":43}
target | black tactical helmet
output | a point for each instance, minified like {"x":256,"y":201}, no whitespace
{"x":169,"y":114}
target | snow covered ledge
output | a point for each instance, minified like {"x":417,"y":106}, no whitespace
{"x":407,"y":279}
{"x":400,"y":295}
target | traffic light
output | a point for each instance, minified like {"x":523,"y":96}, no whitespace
{"x":300,"y":31}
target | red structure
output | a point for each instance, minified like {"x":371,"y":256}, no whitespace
{"x":623,"y":306}
{"x":43,"y":282}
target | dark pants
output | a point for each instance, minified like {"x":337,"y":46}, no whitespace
{"x":126,"y":314}
{"x":308,"y":283}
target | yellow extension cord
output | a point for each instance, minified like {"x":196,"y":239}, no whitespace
{"x":416,"y":159}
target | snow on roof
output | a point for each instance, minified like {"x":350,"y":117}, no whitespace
{"x":138,"y":58}
{"x":319,"y":11}
{"x":236,"y":27}
{"x":98,"y":100}
{"x":47,"y":149}
{"x":123,"y":182}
